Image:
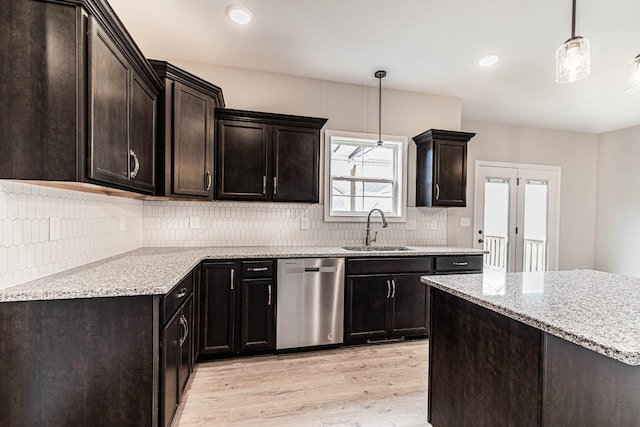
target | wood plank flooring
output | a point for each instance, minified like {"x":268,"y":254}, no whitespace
{"x":365,"y":386}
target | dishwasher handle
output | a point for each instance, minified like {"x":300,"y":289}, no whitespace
{"x":312,"y":269}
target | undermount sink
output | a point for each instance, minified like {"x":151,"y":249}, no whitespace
{"x":377,"y":248}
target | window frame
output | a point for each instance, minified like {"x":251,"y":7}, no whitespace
{"x":400,"y":181}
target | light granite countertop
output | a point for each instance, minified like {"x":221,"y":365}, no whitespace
{"x":155,"y":271}
{"x":596,"y":310}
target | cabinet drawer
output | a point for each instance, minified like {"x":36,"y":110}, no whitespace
{"x":257,"y":269}
{"x":423,"y":265}
{"x":174,"y":299}
{"x":468,"y":263}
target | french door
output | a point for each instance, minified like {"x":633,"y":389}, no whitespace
{"x":516,"y":216}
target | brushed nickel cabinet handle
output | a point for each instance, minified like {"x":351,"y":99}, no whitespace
{"x":136,"y":167}
{"x":257,"y":268}
{"x":233,"y":273}
{"x":393,"y":294}
{"x":209,"y":180}
{"x":181,"y":293}
{"x":269,"y":288}
{"x":264,"y":185}
{"x":275,"y":185}
{"x":388,"y":289}
{"x":437,"y":191}
{"x":460,"y":263}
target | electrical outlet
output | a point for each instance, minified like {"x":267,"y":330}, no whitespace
{"x":54,"y":228}
{"x":194,"y":222}
{"x":123,"y":223}
{"x":465,"y":222}
{"x":304,"y":223}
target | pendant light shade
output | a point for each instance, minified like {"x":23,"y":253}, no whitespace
{"x":380,"y":75}
{"x":573,"y":57}
{"x":633,"y":81}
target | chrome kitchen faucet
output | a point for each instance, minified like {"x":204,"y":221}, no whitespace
{"x":368,"y":240}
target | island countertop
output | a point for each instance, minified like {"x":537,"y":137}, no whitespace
{"x":155,"y":271}
{"x":596,"y":310}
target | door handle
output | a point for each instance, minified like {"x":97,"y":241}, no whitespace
{"x":393,"y":282}
{"x":388,"y":289}
{"x":269,"y":288}
{"x":209,"y":180}
{"x":233,"y":273}
{"x":275,"y":185}
{"x":437,"y":191}
{"x":136,"y":167}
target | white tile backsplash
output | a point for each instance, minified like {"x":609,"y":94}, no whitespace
{"x":89,"y":230}
{"x":90,"y":227}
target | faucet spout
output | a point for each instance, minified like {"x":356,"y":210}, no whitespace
{"x":368,"y":240}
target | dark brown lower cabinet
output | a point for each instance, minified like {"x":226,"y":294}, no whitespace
{"x":258,"y":315}
{"x":385,"y":306}
{"x":79,"y":362}
{"x":237,"y":308}
{"x":488,"y":370}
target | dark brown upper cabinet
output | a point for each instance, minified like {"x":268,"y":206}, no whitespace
{"x":186,"y":133}
{"x":81,"y":105}
{"x":267,"y":157}
{"x":441,"y":170}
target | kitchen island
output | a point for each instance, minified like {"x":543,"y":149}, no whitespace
{"x":534,"y":349}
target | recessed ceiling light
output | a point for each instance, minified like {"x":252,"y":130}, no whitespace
{"x":239,"y":14}
{"x":489,"y":60}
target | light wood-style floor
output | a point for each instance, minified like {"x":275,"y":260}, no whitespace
{"x":366,"y":386}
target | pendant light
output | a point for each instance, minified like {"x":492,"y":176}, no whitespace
{"x":380,"y":75}
{"x":573,"y":56}
{"x":633,"y":82}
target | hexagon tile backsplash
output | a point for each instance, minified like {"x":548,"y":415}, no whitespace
{"x":45,"y":230}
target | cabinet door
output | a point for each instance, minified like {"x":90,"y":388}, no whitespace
{"x":243,"y":156}
{"x":409,"y":306}
{"x":184,"y":352}
{"x":142,"y":146}
{"x":192,"y":142}
{"x":217,"y":316}
{"x":109,"y":79}
{"x":366,"y":307}
{"x":170,"y":396}
{"x":450,"y":173}
{"x":258,"y":315}
{"x":296,"y":164}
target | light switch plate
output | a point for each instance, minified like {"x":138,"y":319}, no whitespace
{"x":194,"y":222}
{"x":465,"y":222}
{"x":54,"y":228}
{"x":304,"y":223}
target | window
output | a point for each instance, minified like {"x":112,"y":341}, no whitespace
{"x":361,"y":176}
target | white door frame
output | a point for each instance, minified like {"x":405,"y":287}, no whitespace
{"x":554,"y":217}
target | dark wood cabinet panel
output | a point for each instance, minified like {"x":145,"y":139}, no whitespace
{"x":81,"y":97}
{"x":109,"y":80}
{"x":257,"y":315}
{"x":366,"y":303}
{"x":265,"y":156}
{"x":244,"y":153}
{"x":169,"y":369}
{"x":468,"y":354}
{"x":296,"y":164}
{"x":79,"y":362}
{"x":409,"y":306}
{"x":218,"y":308}
{"x":186,"y":132}
{"x":441,"y":168}
{"x":142,"y":143}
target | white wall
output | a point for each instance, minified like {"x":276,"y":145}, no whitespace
{"x":575,"y":153}
{"x":618,"y":215}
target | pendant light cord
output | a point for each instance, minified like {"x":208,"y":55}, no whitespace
{"x":573,"y":20}
{"x":379,"y":75}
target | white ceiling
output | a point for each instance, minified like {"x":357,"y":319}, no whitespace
{"x":428,"y":46}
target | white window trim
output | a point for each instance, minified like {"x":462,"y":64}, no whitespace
{"x":402,"y":187}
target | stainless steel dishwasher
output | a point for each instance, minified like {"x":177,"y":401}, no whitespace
{"x":310,"y":309}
